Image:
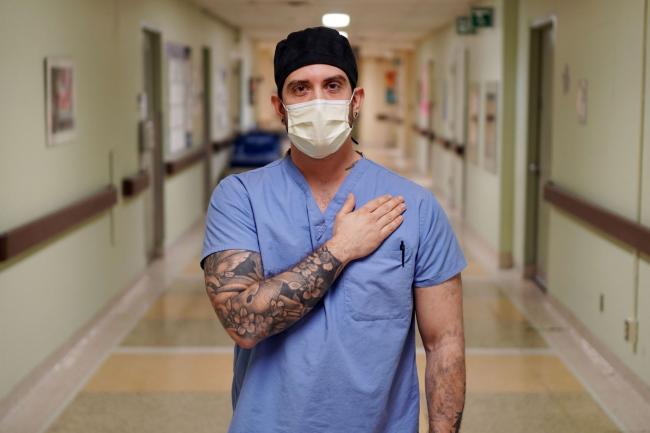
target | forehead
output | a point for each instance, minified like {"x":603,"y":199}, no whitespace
{"x":315,"y":73}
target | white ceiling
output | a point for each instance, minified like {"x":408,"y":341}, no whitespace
{"x":389,"y":23}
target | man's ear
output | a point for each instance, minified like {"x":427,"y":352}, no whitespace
{"x":357,"y":101}
{"x":279,"y":109}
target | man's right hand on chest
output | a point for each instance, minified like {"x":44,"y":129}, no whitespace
{"x":357,"y":233}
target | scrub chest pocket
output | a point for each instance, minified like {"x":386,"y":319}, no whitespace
{"x":378,"y":287}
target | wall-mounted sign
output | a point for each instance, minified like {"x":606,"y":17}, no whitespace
{"x":390,"y":79}
{"x":464,"y":26}
{"x":566,"y":79}
{"x":482,"y":16}
{"x":581,"y":101}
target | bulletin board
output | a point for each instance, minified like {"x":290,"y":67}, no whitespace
{"x":181,"y":97}
{"x":220,"y":103}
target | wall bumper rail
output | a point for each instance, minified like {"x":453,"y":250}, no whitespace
{"x":624,"y":230}
{"x":223,"y":144}
{"x":21,"y":238}
{"x":184,"y":161}
{"x":135,"y":184}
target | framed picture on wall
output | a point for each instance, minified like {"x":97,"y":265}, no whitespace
{"x":491,"y":126}
{"x":60,"y":100}
{"x":473,"y":121}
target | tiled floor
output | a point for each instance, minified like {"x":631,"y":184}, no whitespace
{"x":172,"y":372}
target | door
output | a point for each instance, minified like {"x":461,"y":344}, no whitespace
{"x":150,"y":151}
{"x":539,"y":164}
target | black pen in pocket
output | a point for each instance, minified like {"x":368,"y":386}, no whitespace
{"x":402,"y":248}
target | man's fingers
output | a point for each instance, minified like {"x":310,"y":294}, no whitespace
{"x":390,"y":216}
{"x":388,"y":206}
{"x":376,"y":202}
{"x":348,"y":206}
{"x":391,"y":226}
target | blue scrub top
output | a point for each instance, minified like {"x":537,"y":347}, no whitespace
{"x":349,"y":365}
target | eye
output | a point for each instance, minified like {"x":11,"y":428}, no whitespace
{"x":333,"y":86}
{"x":299,"y":89}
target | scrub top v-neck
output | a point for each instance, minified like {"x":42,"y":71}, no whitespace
{"x":319,"y":220}
{"x":349,"y":365}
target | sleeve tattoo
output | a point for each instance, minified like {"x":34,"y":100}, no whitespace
{"x":252,"y":308}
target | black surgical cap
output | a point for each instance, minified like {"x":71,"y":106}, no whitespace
{"x":315,"y":45}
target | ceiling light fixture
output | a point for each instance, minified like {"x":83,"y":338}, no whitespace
{"x":336,"y":20}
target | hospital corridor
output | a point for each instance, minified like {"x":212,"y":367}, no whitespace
{"x":143,"y":140}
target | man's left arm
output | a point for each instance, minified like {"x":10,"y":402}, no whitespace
{"x":439,"y":311}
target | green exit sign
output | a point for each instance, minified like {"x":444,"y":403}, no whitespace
{"x":482,"y":16}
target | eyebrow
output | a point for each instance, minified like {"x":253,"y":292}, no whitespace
{"x":335,"y":78}
{"x":306,"y":82}
{"x":297,"y":82}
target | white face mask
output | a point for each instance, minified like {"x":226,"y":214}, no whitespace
{"x":318,"y":128}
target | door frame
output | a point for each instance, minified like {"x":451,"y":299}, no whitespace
{"x":536,"y":28}
{"x":157,"y":173}
{"x":206,"y":71}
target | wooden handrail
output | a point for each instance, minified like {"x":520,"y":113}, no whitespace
{"x":186,"y":160}
{"x":135,"y":184}
{"x":429,"y":134}
{"x":19,"y":239}
{"x":223,"y":144}
{"x":452,"y":146}
{"x":621,"y":228}
{"x":190,"y":158}
{"x":383,"y":117}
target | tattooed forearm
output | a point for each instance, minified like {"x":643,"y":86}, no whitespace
{"x":445,"y":386}
{"x":252,"y":308}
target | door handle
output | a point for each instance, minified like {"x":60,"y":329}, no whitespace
{"x":533,"y":168}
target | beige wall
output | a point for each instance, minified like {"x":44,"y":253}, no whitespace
{"x":53,"y":290}
{"x":602,"y":42}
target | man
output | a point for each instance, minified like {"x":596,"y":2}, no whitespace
{"x":317,"y":263}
